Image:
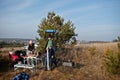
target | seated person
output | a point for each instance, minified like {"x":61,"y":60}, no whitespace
{"x":15,"y":58}
{"x":20,"y":53}
{"x":31,"y":49}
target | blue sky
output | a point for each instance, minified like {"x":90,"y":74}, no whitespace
{"x":93,"y":19}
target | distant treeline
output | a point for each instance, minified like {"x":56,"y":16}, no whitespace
{"x":11,"y":44}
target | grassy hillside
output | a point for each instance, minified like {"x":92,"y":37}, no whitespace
{"x":88,"y":66}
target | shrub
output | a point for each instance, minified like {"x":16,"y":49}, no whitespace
{"x":111,"y":62}
{"x":92,"y":51}
{"x":119,"y":47}
{"x":11,"y":44}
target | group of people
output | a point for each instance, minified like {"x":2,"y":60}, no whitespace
{"x":49,"y":47}
{"x":19,"y":55}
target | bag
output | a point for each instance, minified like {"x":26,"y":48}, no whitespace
{"x":21,"y":76}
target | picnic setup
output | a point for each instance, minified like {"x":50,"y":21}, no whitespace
{"x":26,"y":59}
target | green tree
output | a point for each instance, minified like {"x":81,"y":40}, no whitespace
{"x":111,"y":60}
{"x":119,"y":44}
{"x":65,"y":30}
{"x":118,"y":38}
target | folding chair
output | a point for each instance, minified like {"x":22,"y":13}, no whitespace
{"x":32,"y":63}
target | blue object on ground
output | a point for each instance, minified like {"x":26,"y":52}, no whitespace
{"x":21,"y":76}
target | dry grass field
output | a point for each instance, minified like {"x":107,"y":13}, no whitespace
{"x":87,"y":66}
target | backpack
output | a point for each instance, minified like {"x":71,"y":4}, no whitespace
{"x":21,"y":76}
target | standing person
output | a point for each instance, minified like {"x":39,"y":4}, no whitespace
{"x":31,"y":48}
{"x":50,"y":43}
{"x":49,"y":50}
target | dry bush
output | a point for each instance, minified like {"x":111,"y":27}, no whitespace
{"x":92,"y":51}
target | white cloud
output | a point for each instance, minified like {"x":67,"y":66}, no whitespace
{"x":82,"y":9}
{"x":15,"y":5}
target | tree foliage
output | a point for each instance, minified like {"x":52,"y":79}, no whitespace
{"x":118,"y":38}
{"x":65,"y":30}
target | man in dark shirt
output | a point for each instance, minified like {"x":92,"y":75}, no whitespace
{"x":31,"y":48}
